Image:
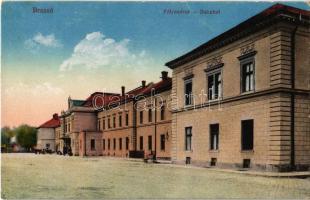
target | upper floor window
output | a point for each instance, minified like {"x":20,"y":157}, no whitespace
{"x":214,"y":86}
{"x":103,"y":123}
{"x":247,"y":77}
{"x":150,"y":115}
{"x":188,"y":92}
{"x":141,"y":117}
{"x":162,"y":113}
{"x":120,"y":120}
{"x":127,"y":120}
{"x":114,"y":123}
{"x":98,"y":124}
{"x":247,"y":65}
{"x":109,"y":123}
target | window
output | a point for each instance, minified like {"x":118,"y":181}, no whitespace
{"x":47,"y":145}
{"x":141,"y":117}
{"x":114,"y":123}
{"x":127,"y":143}
{"x":120,"y":143}
{"x":92,"y":144}
{"x":114,"y":143}
{"x":103,"y":123}
{"x":150,"y":115}
{"x":162,"y":113}
{"x":109,"y":144}
{"x":127,"y":119}
{"x":141,"y":143}
{"x":188,"y":138}
{"x":109,"y":123}
{"x":247,"y":76}
{"x":103,"y":144}
{"x":214,"y":136}
{"x":162,"y":142}
{"x":214,"y":86}
{"x":188,"y":92}
{"x":149,"y":142}
{"x":98,"y":122}
{"x":247,"y":134}
{"x":120,"y":120}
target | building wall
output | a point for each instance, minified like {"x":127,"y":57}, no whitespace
{"x":46,"y":136}
{"x":124,"y":131}
{"x":147,"y":128}
{"x":85,"y":138}
{"x":271,"y":113}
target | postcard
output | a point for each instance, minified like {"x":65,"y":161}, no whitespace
{"x":155,"y":100}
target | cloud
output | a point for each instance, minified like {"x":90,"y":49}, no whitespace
{"x":40,"y":40}
{"x":96,"y":50}
{"x":45,"y":89}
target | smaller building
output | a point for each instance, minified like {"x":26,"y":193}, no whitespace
{"x":46,"y":134}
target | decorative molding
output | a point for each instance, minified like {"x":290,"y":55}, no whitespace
{"x":247,"y":49}
{"x":188,"y":77}
{"x":248,"y":55}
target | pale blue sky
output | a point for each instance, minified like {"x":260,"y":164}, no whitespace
{"x":43,"y":55}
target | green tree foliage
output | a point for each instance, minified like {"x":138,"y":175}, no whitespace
{"x":26,"y":136}
{"x":6,"y":134}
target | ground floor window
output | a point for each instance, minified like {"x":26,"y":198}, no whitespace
{"x":214,"y":136}
{"x":150,"y":142}
{"x":92,"y":144}
{"x":103,"y":144}
{"x":47,"y":145}
{"x":162,"y":142}
{"x":127,"y":143}
{"x":247,"y":133}
{"x":114,"y":143}
{"x":109,"y":144}
{"x":141,"y":143}
{"x":188,"y":138}
{"x":120,"y":143}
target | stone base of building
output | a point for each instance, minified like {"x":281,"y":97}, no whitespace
{"x":240,"y":167}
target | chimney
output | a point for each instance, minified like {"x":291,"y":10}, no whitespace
{"x":143,"y":83}
{"x":55,"y":116}
{"x":164,"y":75}
{"x":123,"y":90}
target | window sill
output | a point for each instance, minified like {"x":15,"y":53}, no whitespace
{"x":188,"y":151}
{"x":247,"y":151}
{"x":214,"y":151}
{"x":248,"y":92}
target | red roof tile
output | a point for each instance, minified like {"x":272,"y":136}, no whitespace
{"x":52,"y":123}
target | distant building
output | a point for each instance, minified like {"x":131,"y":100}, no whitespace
{"x":46,"y":134}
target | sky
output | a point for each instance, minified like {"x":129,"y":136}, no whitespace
{"x":84,"y":47}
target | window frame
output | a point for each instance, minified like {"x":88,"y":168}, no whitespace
{"x":213,"y":74}
{"x":245,"y":146}
{"x":245,"y":60}
{"x":120,"y":143}
{"x":190,"y":136}
{"x":120,"y":120}
{"x":141,"y":117}
{"x":150,"y":142}
{"x":212,"y":148}
{"x":162,"y":142}
{"x":141,"y":143}
{"x":92,"y":145}
{"x":191,"y":99}
{"x":150,"y":115}
{"x":162,"y":112}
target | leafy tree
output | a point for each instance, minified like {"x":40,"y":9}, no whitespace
{"x":6,"y":134}
{"x":26,"y":136}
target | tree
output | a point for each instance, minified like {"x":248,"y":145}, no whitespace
{"x":6,"y":134}
{"x":26,"y":136}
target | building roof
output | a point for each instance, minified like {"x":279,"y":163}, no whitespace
{"x":262,"y":19}
{"x":52,"y":123}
